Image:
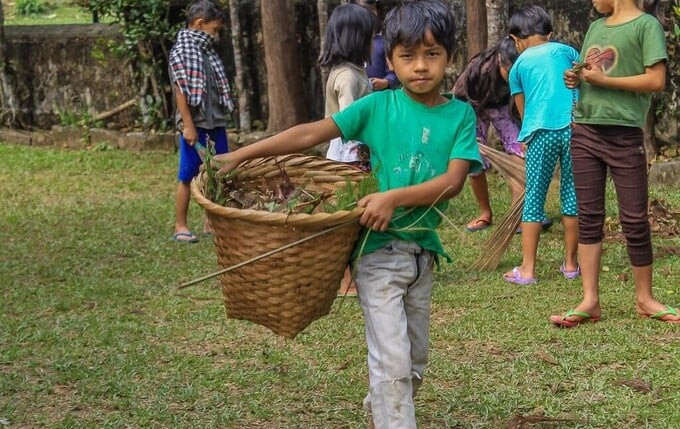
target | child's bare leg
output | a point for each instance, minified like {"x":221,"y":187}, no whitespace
{"x":571,"y":242}
{"x":348,"y":286}
{"x":590,"y":256}
{"x":531,"y":232}
{"x":480,"y":188}
{"x":182,"y":207}
{"x":645,"y":303}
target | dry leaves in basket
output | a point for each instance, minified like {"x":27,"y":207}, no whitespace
{"x":278,"y":194}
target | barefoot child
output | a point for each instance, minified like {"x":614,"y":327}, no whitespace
{"x":484,"y":85}
{"x":422,"y":147}
{"x":346,"y":50}
{"x":202,"y":97}
{"x":625,"y":57}
{"x":545,"y":105}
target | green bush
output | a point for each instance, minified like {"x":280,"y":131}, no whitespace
{"x":30,"y":7}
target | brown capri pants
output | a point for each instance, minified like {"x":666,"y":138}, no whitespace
{"x":594,"y":149}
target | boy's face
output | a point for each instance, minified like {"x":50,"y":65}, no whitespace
{"x":211,"y":27}
{"x":421,"y":68}
{"x":603,"y":6}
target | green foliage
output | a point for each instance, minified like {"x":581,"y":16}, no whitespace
{"x":70,"y":118}
{"x":147,"y":31}
{"x":346,"y":197}
{"x":30,"y":7}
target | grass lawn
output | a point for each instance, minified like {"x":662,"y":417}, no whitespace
{"x":56,"y":12}
{"x":93,"y":334}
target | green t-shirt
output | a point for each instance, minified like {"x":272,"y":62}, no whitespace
{"x":410,"y":143}
{"x":621,"y":50}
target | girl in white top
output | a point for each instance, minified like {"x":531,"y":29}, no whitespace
{"x":347,"y":48}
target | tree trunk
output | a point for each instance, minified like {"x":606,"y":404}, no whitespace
{"x":475,"y":13}
{"x":322,"y":11}
{"x":649,"y":137}
{"x":243,"y":108}
{"x":497,"y":14}
{"x":284,"y":86}
{"x":9,"y":100}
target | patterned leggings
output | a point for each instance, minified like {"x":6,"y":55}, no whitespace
{"x":545,"y":148}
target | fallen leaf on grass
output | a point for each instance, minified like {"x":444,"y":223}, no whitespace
{"x":664,"y":251}
{"x":623,"y":277}
{"x":545,"y":357}
{"x":521,"y":422}
{"x":634,"y":384}
{"x":556,"y":388}
{"x":344,"y":365}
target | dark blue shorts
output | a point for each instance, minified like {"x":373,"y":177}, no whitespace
{"x":189,"y":161}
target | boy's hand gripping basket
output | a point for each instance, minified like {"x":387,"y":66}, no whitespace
{"x":288,"y":290}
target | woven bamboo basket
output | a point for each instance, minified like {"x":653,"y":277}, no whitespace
{"x":288,"y":290}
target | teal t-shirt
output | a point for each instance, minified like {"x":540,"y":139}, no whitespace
{"x":410,"y":143}
{"x":538,"y":73}
{"x":620,"y":50}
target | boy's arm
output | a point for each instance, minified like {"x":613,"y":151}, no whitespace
{"x":292,"y":140}
{"x":190,"y":134}
{"x":379,"y":207}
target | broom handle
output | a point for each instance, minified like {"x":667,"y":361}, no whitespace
{"x":264,"y":255}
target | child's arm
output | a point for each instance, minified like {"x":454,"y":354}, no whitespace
{"x":652,"y":80}
{"x":379,"y":207}
{"x":572,"y":77}
{"x":519,"y":104}
{"x":190,"y":134}
{"x":292,"y":140}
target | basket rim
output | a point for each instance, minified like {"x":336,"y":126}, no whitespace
{"x":271,"y":218}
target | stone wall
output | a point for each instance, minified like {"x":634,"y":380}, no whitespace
{"x":56,"y":72}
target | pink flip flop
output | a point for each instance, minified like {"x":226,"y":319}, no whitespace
{"x":517,"y":278}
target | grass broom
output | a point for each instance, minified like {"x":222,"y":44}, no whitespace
{"x":512,"y":169}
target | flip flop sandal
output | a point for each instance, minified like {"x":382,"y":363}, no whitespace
{"x":662,"y":316}
{"x":479,"y":225}
{"x":570,"y":275}
{"x":517,"y":278}
{"x":563,"y":322}
{"x":191,"y":237}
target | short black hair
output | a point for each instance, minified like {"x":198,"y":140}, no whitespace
{"x":208,"y":10}
{"x":349,"y":34}
{"x":528,"y":21}
{"x":408,"y":23}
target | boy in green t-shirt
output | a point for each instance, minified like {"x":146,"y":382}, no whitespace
{"x":422,"y":146}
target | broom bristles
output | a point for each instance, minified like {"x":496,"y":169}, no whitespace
{"x":512,"y":169}
{"x":501,"y":238}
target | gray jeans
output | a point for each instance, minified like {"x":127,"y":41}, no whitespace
{"x":395,"y":290}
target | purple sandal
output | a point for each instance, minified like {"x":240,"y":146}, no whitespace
{"x":570,"y":275}
{"x":517,"y":278}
